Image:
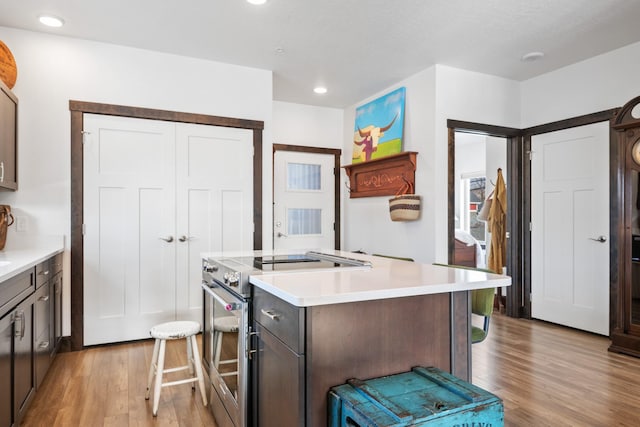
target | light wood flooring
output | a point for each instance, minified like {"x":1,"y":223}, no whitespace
{"x":546,"y":375}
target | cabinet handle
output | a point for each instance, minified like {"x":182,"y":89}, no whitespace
{"x":23,"y":325}
{"x":44,"y":298}
{"x":270,"y":314}
{"x":1,"y":171}
{"x":18,"y":316}
{"x":44,"y":344}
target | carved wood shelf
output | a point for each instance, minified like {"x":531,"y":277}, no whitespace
{"x":385,"y":176}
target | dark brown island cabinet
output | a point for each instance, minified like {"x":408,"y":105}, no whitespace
{"x":304,"y":351}
{"x":30,"y":333}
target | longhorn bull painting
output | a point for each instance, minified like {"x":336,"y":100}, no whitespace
{"x":379,"y":127}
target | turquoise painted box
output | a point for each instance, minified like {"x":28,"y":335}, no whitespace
{"x":421,"y":397}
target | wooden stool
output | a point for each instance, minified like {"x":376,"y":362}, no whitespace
{"x":173,"y":331}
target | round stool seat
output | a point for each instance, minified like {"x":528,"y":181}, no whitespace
{"x":226,"y":324}
{"x":175,"y":330}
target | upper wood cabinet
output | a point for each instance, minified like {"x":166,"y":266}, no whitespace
{"x":8,"y":139}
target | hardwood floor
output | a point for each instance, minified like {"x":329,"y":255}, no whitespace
{"x":546,"y":375}
{"x":105,"y":386}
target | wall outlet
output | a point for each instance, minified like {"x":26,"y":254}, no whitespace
{"x":22,"y":224}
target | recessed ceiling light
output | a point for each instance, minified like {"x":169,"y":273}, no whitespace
{"x":320,"y":90}
{"x":258,"y":2}
{"x":532,"y":56}
{"x":51,"y":21}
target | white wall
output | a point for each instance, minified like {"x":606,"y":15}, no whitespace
{"x":433,"y":96}
{"x":367,"y":225}
{"x":297,"y":124}
{"x":53,"y":70}
{"x":599,"y":83}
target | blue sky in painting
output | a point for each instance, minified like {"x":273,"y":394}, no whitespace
{"x":381,"y":111}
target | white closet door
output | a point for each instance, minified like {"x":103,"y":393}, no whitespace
{"x":129,"y":191}
{"x":214,"y":190}
{"x":570,"y":227}
{"x":156,"y":196}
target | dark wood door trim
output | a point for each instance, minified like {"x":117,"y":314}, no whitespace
{"x":514,"y":224}
{"x":615,"y":196}
{"x":519,"y":210}
{"x":78,"y":109}
{"x":336,"y":153}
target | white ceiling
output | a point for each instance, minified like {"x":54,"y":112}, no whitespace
{"x":355,"y":48}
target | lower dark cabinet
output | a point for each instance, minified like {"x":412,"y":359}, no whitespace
{"x":24,"y":384}
{"x":17,"y":380}
{"x":279,"y":382}
{"x":30,"y":333}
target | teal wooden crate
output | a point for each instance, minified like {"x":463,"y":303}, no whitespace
{"x":421,"y":397}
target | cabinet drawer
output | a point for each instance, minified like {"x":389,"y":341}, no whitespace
{"x":282,"y":319}
{"x":13,"y":290}
{"x":43,"y":273}
{"x":56,"y":264}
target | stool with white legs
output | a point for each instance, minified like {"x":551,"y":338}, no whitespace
{"x":173,"y":331}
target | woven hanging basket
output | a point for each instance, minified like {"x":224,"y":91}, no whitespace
{"x":405,"y":207}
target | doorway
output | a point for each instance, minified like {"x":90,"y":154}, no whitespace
{"x":306,"y":197}
{"x":78,"y":110}
{"x":476,"y":152}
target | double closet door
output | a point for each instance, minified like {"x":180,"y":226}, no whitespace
{"x":156,"y":195}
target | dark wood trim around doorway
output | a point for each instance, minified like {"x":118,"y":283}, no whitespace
{"x":514,"y":192}
{"x":78,"y":109}
{"x":615,"y":205}
{"x":336,"y":153}
{"x":519,"y":209}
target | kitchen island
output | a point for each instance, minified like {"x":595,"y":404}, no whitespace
{"x":316,"y":329}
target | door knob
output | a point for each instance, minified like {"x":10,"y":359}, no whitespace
{"x":167,"y":239}
{"x":600,"y":239}
{"x":280,"y":234}
{"x":183,"y":238}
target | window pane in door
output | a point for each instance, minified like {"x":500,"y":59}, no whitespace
{"x":303,"y":221}
{"x":302,"y":176}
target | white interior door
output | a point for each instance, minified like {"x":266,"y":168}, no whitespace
{"x":570,"y":227}
{"x":303,"y":200}
{"x":214,"y":193}
{"x":129,"y":192}
{"x":156,"y":195}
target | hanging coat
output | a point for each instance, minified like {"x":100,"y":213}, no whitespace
{"x":497,"y":221}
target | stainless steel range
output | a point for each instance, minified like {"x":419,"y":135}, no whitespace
{"x":226,"y":339}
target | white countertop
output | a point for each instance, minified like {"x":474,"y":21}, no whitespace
{"x":387,"y":278}
{"x":21,"y":255}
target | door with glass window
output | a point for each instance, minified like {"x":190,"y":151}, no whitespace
{"x":303,"y":200}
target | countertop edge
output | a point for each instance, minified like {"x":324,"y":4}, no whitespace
{"x":262,"y":282}
{"x":22,"y":260}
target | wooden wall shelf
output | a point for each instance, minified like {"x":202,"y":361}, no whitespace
{"x":385,"y":176}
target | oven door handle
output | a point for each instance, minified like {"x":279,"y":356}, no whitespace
{"x":229,"y":305}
